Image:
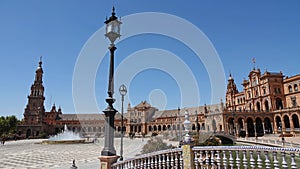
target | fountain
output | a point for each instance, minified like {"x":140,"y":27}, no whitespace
{"x":65,"y":137}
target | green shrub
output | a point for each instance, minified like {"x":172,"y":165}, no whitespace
{"x":155,"y":144}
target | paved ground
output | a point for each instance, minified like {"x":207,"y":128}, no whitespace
{"x":29,"y":154}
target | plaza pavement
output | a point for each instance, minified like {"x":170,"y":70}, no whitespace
{"x":30,"y":154}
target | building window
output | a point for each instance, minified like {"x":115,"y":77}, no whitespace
{"x":277,"y":90}
{"x":294,"y":102}
{"x":296,"y":88}
{"x":264,"y":90}
{"x":290,"y":89}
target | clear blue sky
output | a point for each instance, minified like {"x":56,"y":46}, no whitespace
{"x":57,"y":30}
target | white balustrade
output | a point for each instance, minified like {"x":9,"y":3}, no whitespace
{"x":224,"y":157}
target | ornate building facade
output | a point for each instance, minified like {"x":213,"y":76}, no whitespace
{"x":142,"y":119}
{"x":268,"y":104}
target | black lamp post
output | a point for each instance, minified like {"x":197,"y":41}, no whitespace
{"x":197,"y":121}
{"x":179,"y":125}
{"x":112,"y":33}
{"x":123,"y":91}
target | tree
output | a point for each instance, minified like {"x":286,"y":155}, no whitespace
{"x":8,"y":125}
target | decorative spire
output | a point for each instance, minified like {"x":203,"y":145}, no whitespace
{"x":113,"y":11}
{"x":253,"y":61}
{"x":112,"y":17}
{"x":40,"y":62}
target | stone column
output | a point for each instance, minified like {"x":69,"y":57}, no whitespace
{"x":236,"y":129}
{"x":275,"y":128}
{"x":246,"y":129}
{"x":254,"y":125}
{"x":283,"y":128}
{"x":263,"y":124}
{"x":272,"y":128}
{"x":188,"y":157}
{"x":187,"y":152}
{"x":107,"y":161}
{"x":292,"y":126}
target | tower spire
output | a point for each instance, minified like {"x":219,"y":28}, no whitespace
{"x":40,"y":62}
{"x":35,"y":110}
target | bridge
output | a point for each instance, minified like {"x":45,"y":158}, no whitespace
{"x":217,"y":157}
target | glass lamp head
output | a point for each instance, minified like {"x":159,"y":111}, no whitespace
{"x":113,"y":27}
{"x":123,"y":90}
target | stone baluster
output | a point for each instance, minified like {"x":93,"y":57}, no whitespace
{"x":147,"y":162}
{"x":181,"y":160}
{"x":168,"y":160}
{"x":293,"y":163}
{"x":201,"y":159}
{"x":206,"y":158}
{"x":155,"y":162}
{"x":176,"y":160}
{"x":142,"y":163}
{"x":224,"y":160}
{"x":152,"y":161}
{"x":128,"y":164}
{"x":133,"y":164}
{"x":252,"y":161}
{"x":212,"y":158}
{"x":173,"y":159}
{"x":259,"y":161}
{"x":275,"y":161}
{"x":196,"y":160}
{"x":139,"y":163}
{"x":284,"y":164}
{"x":218,"y":159}
{"x":164,"y":161}
{"x":245,"y":161}
{"x":148,"y":159}
{"x":159,"y":161}
{"x":267,"y":161}
{"x":237,"y":159}
{"x":230,"y":159}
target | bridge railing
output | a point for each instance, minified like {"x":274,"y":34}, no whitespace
{"x":171,"y":158}
{"x":270,"y":142}
{"x":217,"y":157}
{"x":244,"y":157}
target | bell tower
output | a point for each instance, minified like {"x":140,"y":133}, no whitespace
{"x":230,"y":93}
{"x":35,"y":110}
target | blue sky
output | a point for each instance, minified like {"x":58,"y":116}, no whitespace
{"x":57,"y":30}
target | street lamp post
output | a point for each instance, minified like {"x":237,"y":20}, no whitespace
{"x":197,"y":127}
{"x":179,"y":138}
{"x":112,"y":33}
{"x":123,"y":91}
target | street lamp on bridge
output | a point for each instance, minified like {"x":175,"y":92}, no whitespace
{"x":123,"y":91}
{"x":112,"y":33}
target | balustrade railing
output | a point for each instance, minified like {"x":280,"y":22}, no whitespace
{"x":271,"y":142}
{"x":171,"y":158}
{"x":218,"y":157}
{"x":229,"y":157}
